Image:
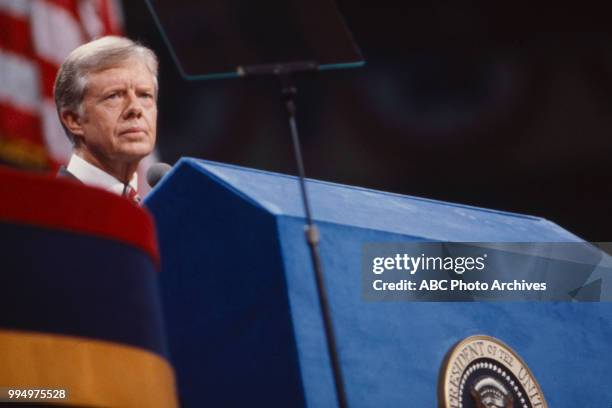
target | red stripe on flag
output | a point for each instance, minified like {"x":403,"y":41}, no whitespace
{"x":105,"y":15}
{"x":15,"y":35}
{"x":48,"y":71}
{"x":15,"y":123}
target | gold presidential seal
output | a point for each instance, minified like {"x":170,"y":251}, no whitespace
{"x":482,"y":372}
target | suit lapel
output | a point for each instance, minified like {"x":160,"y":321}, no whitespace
{"x":64,"y":173}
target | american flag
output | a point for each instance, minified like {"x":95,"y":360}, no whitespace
{"x":35,"y":37}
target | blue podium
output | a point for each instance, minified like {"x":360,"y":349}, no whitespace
{"x":242,"y":312}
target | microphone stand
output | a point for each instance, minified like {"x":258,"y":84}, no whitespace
{"x":285,"y":73}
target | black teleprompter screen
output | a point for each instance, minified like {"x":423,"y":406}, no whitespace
{"x":211,"y":38}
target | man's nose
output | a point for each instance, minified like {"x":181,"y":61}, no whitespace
{"x":133,"y":107}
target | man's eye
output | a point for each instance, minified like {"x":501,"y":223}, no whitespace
{"x":147,"y":95}
{"x":112,"y":95}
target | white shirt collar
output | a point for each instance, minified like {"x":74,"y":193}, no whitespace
{"x":93,"y":176}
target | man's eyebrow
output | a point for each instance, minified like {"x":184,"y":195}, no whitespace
{"x":108,"y":89}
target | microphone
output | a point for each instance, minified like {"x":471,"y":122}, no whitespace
{"x":156,"y":172}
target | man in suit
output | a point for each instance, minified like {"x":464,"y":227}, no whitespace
{"x":106,"y":98}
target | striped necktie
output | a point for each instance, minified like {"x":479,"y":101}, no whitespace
{"x":132,"y":194}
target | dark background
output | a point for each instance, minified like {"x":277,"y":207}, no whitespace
{"x":505,"y":107}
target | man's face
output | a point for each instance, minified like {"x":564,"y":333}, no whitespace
{"x":118,"y":115}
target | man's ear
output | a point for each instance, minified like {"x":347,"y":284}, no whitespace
{"x":73,"y":122}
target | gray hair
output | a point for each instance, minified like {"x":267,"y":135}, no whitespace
{"x":95,"y":56}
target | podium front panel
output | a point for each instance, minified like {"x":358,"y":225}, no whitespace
{"x":243,"y":317}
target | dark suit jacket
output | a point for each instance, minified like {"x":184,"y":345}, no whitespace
{"x":64,"y":173}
